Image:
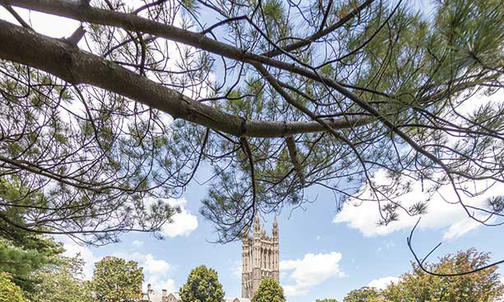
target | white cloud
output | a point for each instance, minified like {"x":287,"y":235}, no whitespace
{"x":383,"y":282}
{"x":160,"y":284}
{"x":480,"y":99}
{"x":73,"y":249}
{"x":364,"y":215}
{"x":184,"y":223}
{"x":156,"y":271}
{"x":449,"y":216}
{"x":180,"y":202}
{"x":310,"y":271}
{"x":154,"y":266}
{"x":137,"y":243}
{"x":150,"y":264}
{"x":460,"y":228}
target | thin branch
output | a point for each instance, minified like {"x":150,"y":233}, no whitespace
{"x":291,"y":146}
{"x":76,"y":36}
{"x":420,"y":263}
{"x":320,"y":33}
{"x":16,"y":16}
{"x":90,"y":69}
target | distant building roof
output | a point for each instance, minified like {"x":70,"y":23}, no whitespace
{"x":152,"y":296}
{"x":236,"y":299}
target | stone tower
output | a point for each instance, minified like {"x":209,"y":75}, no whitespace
{"x":260,"y":258}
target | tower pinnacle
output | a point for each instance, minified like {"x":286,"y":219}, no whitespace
{"x":257,"y":225}
{"x":275,"y":228}
{"x":260,"y":258}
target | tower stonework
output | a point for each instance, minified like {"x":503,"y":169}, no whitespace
{"x":260,"y":258}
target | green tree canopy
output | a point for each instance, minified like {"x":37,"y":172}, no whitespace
{"x":21,"y":251}
{"x":269,"y":291}
{"x":202,"y":285}
{"x":62,"y":283}
{"x":326,"y":300}
{"x":275,"y":97}
{"x":484,"y":285}
{"x":24,"y":257}
{"x":365,"y":294}
{"x":116,"y":279}
{"x":9,"y":291}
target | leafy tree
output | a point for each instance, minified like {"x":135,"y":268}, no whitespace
{"x":483,"y":285}
{"x":22,"y":258}
{"x":116,"y":279}
{"x":62,"y":283}
{"x":326,"y":300}
{"x":269,"y":290}
{"x":276,"y":97}
{"x":9,"y":291}
{"x":202,"y":285}
{"x":364,"y":294}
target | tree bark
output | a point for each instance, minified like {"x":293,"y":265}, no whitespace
{"x":79,"y":67}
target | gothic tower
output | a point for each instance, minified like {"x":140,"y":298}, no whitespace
{"x":260,"y":258}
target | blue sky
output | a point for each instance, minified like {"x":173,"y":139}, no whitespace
{"x":319,"y":257}
{"x":327,"y":259}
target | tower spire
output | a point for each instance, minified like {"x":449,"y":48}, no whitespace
{"x":275,"y":228}
{"x":257,"y":225}
{"x":260,"y":258}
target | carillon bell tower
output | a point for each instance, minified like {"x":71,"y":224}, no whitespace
{"x":260,"y":258}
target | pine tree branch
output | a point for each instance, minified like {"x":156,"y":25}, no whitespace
{"x":76,"y":66}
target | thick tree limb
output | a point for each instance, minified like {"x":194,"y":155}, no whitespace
{"x":197,"y":113}
{"x":148,"y":92}
{"x":132,"y":22}
{"x":76,"y":66}
{"x":135,"y":23}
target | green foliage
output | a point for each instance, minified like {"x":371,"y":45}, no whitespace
{"x":13,"y":192}
{"x":364,"y":294}
{"x":72,"y":203}
{"x":481,"y":286}
{"x":391,"y":79}
{"x":23,"y":258}
{"x":116,"y":279}
{"x":22,"y":252}
{"x":62,"y":283}
{"x":326,"y":300}
{"x":269,"y":291}
{"x":417,"y":285}
{"x":202,"y":285}
{"x":413,"y":69}
{"x":9,"y":291}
